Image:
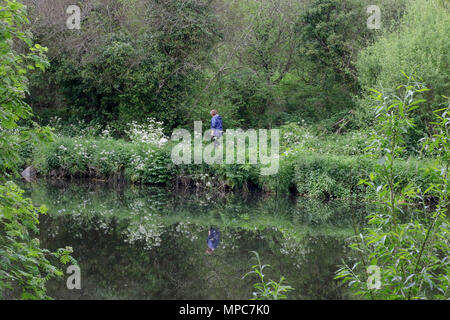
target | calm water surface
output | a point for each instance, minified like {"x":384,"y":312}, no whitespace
{"x":134,"y":242}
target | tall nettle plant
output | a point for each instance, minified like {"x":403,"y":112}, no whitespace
{"x":403,"y":254}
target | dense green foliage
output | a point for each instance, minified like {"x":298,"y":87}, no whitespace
{"x":23,"y":263}
{"x":13,"y":86}
{"x":420,"y":46}
{"x":142,"y":57}
{"x":410,"y":251}
{"x":115,"y":89}
{"x":104,"y":159}
{"x":259,"y":63}
{"x":326,"y":175}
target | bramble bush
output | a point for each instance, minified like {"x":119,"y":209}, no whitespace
{"x":320,"y":165}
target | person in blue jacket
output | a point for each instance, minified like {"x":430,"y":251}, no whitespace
{"x":213,"y":240}
{"x":216,"y":127}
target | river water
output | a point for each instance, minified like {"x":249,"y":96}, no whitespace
{"x":141,"y":242}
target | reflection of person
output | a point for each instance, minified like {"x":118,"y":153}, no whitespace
{"x":213,"y":240}
{"x":216,"y":127}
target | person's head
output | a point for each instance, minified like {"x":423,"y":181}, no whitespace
{"x":209,"y":251}
{"x":213,"y":112}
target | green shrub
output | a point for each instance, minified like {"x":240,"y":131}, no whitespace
{"x":284,"y":180}
{"x":400,"y":255}
{"x":81,"y":157}
{"x":419,"y":46}
{"x":150,"y":165}
{"x":332,"y":176}
{"x":322,"y":175}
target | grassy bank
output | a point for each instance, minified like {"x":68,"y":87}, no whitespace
{"x":103,"y":158}
{"x":303,"y":170}
{"x":336,"y":176}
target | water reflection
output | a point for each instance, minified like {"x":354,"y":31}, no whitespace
{"x":144,"y":242}
{"x":213,"y":240}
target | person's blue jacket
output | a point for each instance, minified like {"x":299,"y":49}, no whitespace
{"x":216,"y":123}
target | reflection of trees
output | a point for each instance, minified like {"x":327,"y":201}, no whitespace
{"x":144,"y":243}
{"x":316,"y":258}
{"x":335,"y":213}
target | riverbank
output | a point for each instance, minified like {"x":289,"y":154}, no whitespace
{"x":301,"y":170}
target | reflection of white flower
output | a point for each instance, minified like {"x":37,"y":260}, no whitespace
{"x":150,"y":234}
